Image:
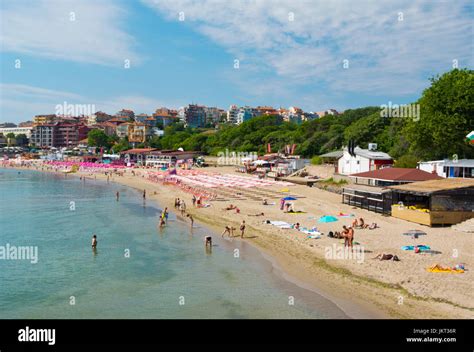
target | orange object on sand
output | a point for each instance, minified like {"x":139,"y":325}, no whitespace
{"x":436,"y":268}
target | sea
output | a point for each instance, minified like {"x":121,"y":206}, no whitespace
{"x":137,"y":271}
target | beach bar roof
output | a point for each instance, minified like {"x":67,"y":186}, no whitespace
{"x":397,"y":174}
{"x":436,"y":202}
{"x":433,"y":186}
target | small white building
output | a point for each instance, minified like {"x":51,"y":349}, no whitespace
{"x":362,"y":160}
{"x":462,"y":168}
{"x":16,"y":131}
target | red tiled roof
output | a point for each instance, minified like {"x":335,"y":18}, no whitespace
{"x":398,"y":174}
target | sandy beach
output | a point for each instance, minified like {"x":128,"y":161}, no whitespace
{"x":365,"y":288}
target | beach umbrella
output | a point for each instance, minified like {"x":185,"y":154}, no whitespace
{"x":327,"y":218}
{"x":414,"y":233}
{"x":289,"y":198}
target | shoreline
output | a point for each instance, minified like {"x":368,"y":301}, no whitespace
{"x":356,"y":295}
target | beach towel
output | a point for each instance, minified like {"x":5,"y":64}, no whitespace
{"x":281,"y":224}
{"x":440,"y":269}
{"x":297,"y":212}
{"x":342,"y":215}
{"x":421,"y":247}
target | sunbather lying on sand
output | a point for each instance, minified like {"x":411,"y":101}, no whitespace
{"x":362,"y":224}
{"x":336,"y":234}
{"x":384,"y":256}
{"x":260,"y":214}
{"x":373,"y":226}
{"x":230,"y":207}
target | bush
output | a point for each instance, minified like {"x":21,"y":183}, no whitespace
{"x":316,"y":160}
{"x":406,"y":161}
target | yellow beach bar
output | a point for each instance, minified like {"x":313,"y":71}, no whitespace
{"x":434,"y":202}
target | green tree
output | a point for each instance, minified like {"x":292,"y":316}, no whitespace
{"x":447,"y":116}
{"x":21,"y":139}
{"x":406,"y":161}
{"x":121,"y":145}
{"x":98,"y":138}
{"x":10,"y":138}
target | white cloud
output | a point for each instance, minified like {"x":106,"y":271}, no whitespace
{"x":44,"y":28}
{"x":385,"y":54}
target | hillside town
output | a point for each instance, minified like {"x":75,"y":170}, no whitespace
{"x":66,"y":131}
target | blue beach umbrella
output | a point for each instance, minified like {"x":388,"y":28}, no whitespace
{"x":327,"y":218}
{"x":289,"y":198}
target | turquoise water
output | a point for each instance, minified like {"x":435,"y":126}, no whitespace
{"x":168,"y":274}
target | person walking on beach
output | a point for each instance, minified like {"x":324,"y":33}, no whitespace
{"x":117,"y":196}
{"x":182,"y":207}
{"x":94,"y":242}
{"x":242,"y":229}
{"x":194,"y":200}
{"x":282,"y":204}
{"x":176,"y":203}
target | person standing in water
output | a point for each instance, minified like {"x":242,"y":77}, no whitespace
{"x":94,"y":242}
{"x":208,"y":241}
{"x":144,"y":194}
{"x":117,"y":195}
{"x":191,"y":219}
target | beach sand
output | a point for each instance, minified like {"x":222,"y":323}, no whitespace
{"x":363,"y":289}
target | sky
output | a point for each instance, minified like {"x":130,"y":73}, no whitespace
{"x":144,"y":54}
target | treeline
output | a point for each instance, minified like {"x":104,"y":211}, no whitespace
{"x":446,"y":116}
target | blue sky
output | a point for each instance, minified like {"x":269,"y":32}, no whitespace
{"x":290,"y":53}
